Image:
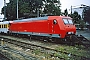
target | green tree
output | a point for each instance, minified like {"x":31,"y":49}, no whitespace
{"x":10,"y":10}
{"x":86,"y":14}
{"x":52,"y":7}
{"x":29,"y":8}
{"x":82,"y":24}
{"x":78,"y":20}
{"x":76,"y":17}
{"x":65,"y":12}
{"x":26,"y":8}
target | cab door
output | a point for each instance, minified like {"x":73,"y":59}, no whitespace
{"x":54,"y":26}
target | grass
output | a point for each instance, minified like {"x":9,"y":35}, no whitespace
{"x":75,"y":50}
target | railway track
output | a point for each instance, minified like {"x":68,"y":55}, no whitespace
{"x":82,"y":40}
{"x":73,"y":40}
{"x":44,"y":49}
{"x":2,"y":57}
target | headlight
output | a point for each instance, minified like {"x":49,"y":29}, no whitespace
{"x":70,"y":32}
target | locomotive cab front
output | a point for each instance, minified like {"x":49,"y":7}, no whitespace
{"x":61,"y":26}
{"x":69,"y":26}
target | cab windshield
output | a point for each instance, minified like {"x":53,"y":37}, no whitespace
{"x":67,"y":21}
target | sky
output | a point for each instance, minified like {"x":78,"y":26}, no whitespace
{"x":65,"y":4}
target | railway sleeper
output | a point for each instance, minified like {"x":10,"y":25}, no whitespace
{"x":69,"y":40}
{"x":42,"y":48}
{"x":80,"y":40}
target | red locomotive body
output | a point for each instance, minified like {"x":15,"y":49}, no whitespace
{"x":53,"y":26}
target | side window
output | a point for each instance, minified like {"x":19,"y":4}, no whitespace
{"x":70,"y":21}
{"x":0,"y":26}
{"x":66,"y":21}
{"x":4,"y":26}
{"x":54,"y":21}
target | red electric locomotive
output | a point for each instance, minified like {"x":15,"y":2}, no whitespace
{"x":52,"y":26}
